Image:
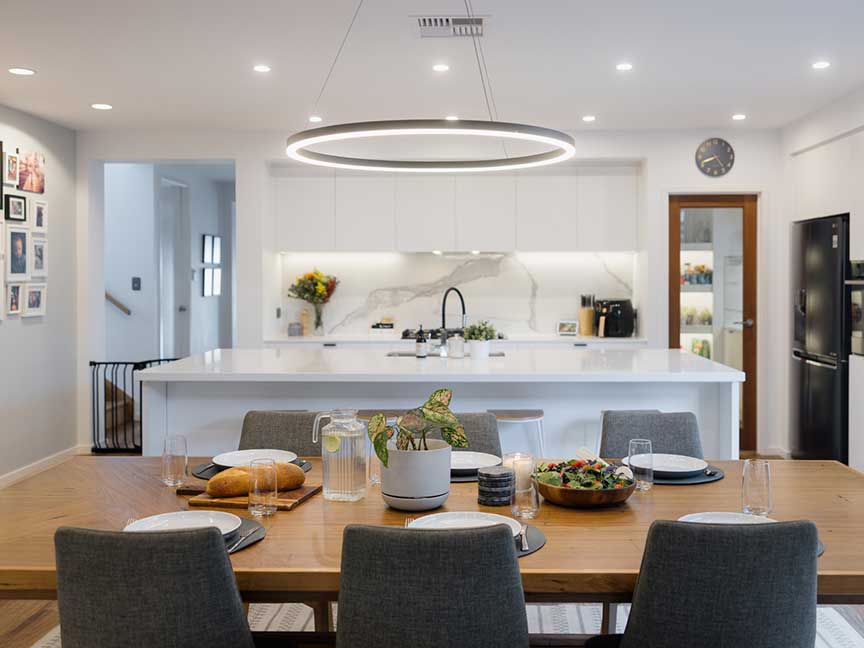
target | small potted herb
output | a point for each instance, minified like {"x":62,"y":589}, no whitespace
{"x":478,"y":337}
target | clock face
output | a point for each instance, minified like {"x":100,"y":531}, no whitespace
{"x":715,"y":157}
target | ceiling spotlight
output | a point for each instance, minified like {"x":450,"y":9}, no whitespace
{"x":314,"y":119}
{"x":452,"y":118}
{"x":739,"y":117}
{"x":262,"y":68}
{"x":624,"y":67}
{"x":437,"y":252}
{"x":589,"y":118}
{"x":821,"y":65}
{"x":19,"y":71}
{"x":475,"y":251}
{"x":440,"y":67}
{"x":101,"y":106}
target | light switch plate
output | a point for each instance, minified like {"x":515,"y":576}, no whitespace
{"x":136,"y":283}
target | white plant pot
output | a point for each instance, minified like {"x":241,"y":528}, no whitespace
{"x":479,"y":349}
{"x":417,"y":480}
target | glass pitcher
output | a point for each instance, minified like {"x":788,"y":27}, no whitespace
{"x":343,"y":454}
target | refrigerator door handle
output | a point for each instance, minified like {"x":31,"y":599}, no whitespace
{"x":801,"y":303}
{"x":815,"y":363}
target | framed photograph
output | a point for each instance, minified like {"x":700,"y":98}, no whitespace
{"x":207,"y":251}
{"x":217,"y":282}
{"x":15,"y":208}
{"x":568,"y":327}
{"x":217,"y":250}
{"x":31,"y":172}
{"x":208,"y":282}
{"x":14,"y":293}
{"x":17,"y":254}
{"x":35,"y":296}
{"x":39,"y":216}
{"x":10,"y":169}
{"x":38,"y":269}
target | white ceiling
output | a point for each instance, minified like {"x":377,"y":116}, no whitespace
{"x":187,"y":63}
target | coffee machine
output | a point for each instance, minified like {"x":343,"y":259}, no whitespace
{"x":614,"y":318}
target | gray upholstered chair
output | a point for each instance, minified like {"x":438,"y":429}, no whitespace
{"x":280,"y":430}
{"x":482,"y":432}
{"x":430,"y":589}
{"x":669,"y":432}
{"x":170,"y":589}
{"x":717,"y":586}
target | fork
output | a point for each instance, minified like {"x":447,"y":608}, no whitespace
{"x":408,"y":521}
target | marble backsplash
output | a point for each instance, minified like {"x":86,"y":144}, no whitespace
{"x":520,"y":292}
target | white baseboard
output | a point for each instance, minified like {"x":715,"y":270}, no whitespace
{"x":42,"y":464}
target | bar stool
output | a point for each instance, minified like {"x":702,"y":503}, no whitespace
{"x":517,"y":416}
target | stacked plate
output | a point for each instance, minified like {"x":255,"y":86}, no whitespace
{"x":494,"y":485}
{"x":668,"y":466}
{"x":227,"y":523}
{"x":464,"y":520}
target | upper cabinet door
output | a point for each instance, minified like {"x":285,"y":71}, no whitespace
{"x":303,"y":208}
{"x":365,"y":213}
{"x":486,"y":213}
{"x":856,"y":216}
{"x":546,"y":218}
{"x":607,"y":203}
{"x":425,"y":213}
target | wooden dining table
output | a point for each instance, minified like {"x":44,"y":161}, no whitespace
{"x":590,"y":555}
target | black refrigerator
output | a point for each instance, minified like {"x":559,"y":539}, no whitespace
{"x":820,"y":342}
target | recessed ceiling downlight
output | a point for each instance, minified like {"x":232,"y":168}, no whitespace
{"x":315,"y":119}
{"x":101,"y":106}
{"x":22,"y":71}
{"x":624,"y":67}
{"x":440,"y":67}
{"x":452,"y":118}
{"x":589,"y":118}
{"x":821,"y":65}
{"x":739,"y":116}
{"x":262,"y":68}
{"x":562,"y":145}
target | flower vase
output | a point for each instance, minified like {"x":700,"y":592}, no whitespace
{"x":319,"y":319}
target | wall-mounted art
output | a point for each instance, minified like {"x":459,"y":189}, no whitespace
{"x":38,"y":268}
{"x":17,"y":253}
{"x":35,"y":297}
{"x":207,"y":289}
{"x":207,"y":249}
{"x":31,"y":172}
{"x":15,"y":208}
{"x":39,"y":216}
{"x":13,"y":299}
{"x":10,"y":169}
{"x":217,"y":282}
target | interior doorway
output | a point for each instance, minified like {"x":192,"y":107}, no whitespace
{"x":175,"y":285}
{"x":712,"y":288}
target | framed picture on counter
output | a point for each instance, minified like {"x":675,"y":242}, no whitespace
{"x":568,"y":327}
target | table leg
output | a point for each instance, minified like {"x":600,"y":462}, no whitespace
{"x":321,"y":609}
{"x":609,"y":620}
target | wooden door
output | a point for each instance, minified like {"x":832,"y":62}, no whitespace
{"x":712,"y":288}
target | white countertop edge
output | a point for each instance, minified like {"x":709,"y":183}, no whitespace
{"x":388,"y":339}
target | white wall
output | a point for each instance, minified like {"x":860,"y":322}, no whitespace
{"x":38,"y":387}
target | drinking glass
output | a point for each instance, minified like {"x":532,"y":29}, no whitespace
{"x":373,"y":466}
{"x":263,"y":487}
{"x":524,"y":498}
{"x":756,"y":494}
{"x":175,"y":463}
{"x":640,"y":449}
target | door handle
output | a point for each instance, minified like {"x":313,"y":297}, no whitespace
{"x":747,"y":323}
{"x":182,"y":309}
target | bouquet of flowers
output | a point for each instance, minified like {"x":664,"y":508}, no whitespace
{"x":316,"y":288}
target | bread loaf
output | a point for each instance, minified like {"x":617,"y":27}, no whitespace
{"x":236,"y":481}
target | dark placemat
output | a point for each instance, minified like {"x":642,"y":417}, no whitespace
{"x":207,"y":470}
{"x":256,"y":533}
{"x":697,"y":479}
{"x":462,"y":479}
{"x":536,"y":541}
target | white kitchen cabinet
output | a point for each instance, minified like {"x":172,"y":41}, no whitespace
{"x":856,"y":412}
{"x":856,"y":216}
{"x":304,"y":212}
{"x":824,"y":184}
{"x":425,"y":213}
{"x":546,"y":218}
{"x":365,"y":213}
{"x":486,"y":213}
{"x":607,"y":204}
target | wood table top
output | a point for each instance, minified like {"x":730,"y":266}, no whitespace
{"x":590,"y":554}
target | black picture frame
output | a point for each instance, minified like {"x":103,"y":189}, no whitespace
{"x":3,"y":178}
{"x":7,"y":200}
{"x":207,"y":248}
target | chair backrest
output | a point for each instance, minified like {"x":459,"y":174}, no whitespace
{"x":482,"y":431}
{"x":170,"y":589}
{"x":715,"y":585}
{"x":669,"y":432}
{"x":279,"y":430}
{"x":430,"y":589}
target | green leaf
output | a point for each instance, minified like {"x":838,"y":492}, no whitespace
{"x":551,"y":478}
{"x":380,"y":445}
{"x":455,"y":436}
{"x":404,"y":440}
{"x":440,"y":396}
{"x":411,"y":421}
{"x":439,"y":414}
{"x":377,"y":425}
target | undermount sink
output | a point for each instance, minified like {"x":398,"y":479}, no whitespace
{"x":434,"y":354}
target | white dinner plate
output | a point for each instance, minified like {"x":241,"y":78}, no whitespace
{"x":227,"y":523}
{"x":725,"y":517}
{"x":463,"y":520}
{"x":243,"y":457}
{"x":669,"y":466}
{"x":468,"y":461}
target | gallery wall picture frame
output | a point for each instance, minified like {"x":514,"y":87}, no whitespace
{"x":207,"y":289}
{"x":217,"y":250}
{"x":38,"y":257}
{"x":10,"y":168}
{"x":15,"y":208}
{"x":31,"y":172}
{"x":207,"y":249}
{"x":568,"y":327}
{"x":17,"y":254}
{"x":35,"y":299}
{"x":38,"y":210}
{"x":3,"y":180}
{"x":217,"y":282}
{"x":13,"y":299}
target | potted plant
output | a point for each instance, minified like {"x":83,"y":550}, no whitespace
{"x":478,"y":337}
{"x":415,"y":470}
{"x":316,"y":288}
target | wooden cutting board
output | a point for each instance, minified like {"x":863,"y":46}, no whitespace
{"x":286,"y":501}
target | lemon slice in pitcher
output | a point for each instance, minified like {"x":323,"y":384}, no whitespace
{"x":331,"y":442}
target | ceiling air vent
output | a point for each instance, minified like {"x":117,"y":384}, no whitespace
{"x":449,"y":26}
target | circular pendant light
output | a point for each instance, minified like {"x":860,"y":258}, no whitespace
{"x":561,"y":145}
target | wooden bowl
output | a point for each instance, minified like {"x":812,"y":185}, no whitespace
{"x":584,"y":497}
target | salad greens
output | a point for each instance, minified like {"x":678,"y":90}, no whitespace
{"x":592,"y":474}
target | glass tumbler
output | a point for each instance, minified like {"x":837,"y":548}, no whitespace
{"x":756,"y":493}
{"x":524,"y":498}
{"x":643,"y":472}
{"x":175,"y":463}
{"x":263,"y":487}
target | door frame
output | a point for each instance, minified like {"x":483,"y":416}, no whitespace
{"x":749,"y":206}
{"x":163,"y":182}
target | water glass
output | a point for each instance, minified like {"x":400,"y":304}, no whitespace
{"x":643,"y":473}
{"x":756,"y":494}
{"x":524,"y":498}
{"x":373,"y":466}
{"x":175,"y":463}
{"x":263,"y":487}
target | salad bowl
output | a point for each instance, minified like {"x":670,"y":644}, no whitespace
{"x":579,"y":483}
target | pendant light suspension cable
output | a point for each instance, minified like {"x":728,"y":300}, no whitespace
{"x":336,"y":58}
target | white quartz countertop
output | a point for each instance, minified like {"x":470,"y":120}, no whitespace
{"x":371,"y":364}
{"x":395,"y":337}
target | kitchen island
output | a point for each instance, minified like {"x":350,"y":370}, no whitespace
{"x":205,"y":397}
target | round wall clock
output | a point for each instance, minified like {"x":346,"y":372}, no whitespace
{"x":715,"y":157}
